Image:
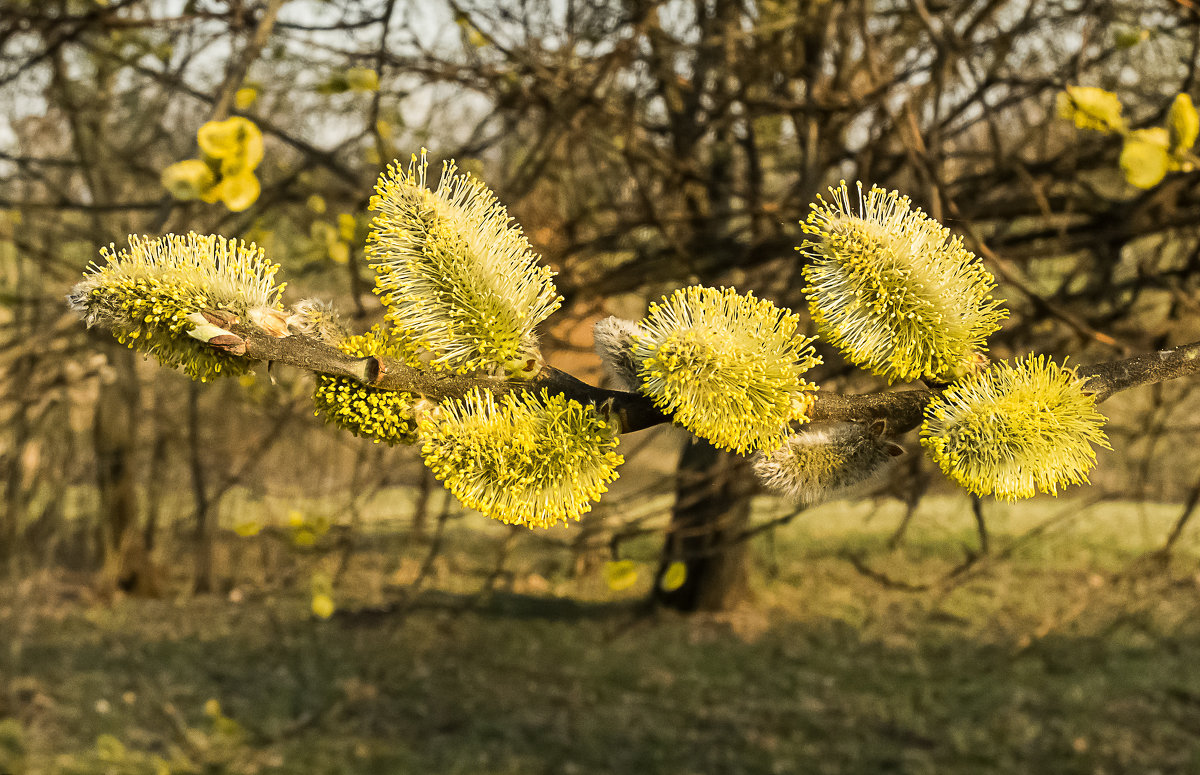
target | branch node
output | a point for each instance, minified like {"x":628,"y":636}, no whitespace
{"x":229,"y":343}
{"x":222,"y":318}
{"x":375,"y":370}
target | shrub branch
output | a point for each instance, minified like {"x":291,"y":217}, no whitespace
{"x":902,"y":409}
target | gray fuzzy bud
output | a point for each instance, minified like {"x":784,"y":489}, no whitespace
{"x":826,"y":460}
{"x":613,"y":342}
{"x":318,"y":319}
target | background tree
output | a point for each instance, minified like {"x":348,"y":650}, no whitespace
{"x":681,"y":140}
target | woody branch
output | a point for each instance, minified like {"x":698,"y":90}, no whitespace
{"x":901,"y":409}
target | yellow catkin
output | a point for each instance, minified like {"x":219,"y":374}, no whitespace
{"x":525,"y":459}
{"x":380,"y":415}
{"x":892,"y":288}
{"x":456,"y":275}
{"x":144,"y":295}
{"x":725,"y":365}
{"x":1013,"y":430}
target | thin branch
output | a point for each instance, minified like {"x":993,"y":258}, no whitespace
{"x":902,"y":409}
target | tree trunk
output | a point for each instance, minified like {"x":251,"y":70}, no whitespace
{"x":708,"y":522}
{"x":202,"y":518}
{"x":115,"y":437}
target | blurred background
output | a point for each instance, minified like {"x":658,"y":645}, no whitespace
{"x":642,"y":145}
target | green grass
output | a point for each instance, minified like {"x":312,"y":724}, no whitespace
{"x":1068,"y":655}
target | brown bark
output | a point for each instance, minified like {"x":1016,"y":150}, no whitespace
{"x":711,"y":512}
{"x":902,"y":409}
{"x":114,"y":435}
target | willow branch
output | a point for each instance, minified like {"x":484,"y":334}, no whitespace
{"x":902,"y":409}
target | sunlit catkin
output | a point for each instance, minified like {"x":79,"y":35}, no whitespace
{"x":726,"y":366}
{"x":381,"y":415}
{"x":526,"y":459}
{"x":893,"y":290}
{"x":149,"y":293}
{"x":1015,"y":429}
{"x":456,"y":275}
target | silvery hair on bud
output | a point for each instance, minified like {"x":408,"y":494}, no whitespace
{"x":318,"y":319}
{"x":824,"y":461}
{"x":613,"y":342}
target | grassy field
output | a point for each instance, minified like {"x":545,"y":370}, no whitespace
{"x":1062,"y":651}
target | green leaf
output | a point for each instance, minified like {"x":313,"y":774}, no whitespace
{"x":1128,"y":37}
{"x":188,"y":179}
{"x":1145,"y":159}
{"x":1183,"y":124}
{"x":337,"y":84}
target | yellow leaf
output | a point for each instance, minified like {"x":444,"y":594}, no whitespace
{"x":236,"y":141}
{"x":323,"y":606}
{"x":211,"y":195}
{"x":303,"y":538}
{"x":673,"y":577}
{"x":247,"y":529}
{"x":1144,"y":159}
{"x":339,"y":253}
{"x":1091,"y":108}
{"x":218,"y":139}
{"x":240,"y":191}
{"x":245,"y":158}
{"x":323,"y":233}
{"x":362,"y":79}
{"x":346,"y":226}
{"x":245,"y":97}
{"x":188,"y":179}
{"x":295,"y":518}
{"x":1183,"y":124}
{"x":620,"y":574}
{"x":316,"y":203}
{"x":212,"y":708}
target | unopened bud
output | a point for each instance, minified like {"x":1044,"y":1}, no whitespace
{"x":272,"y":321}
{"x":826,"y":460}
{"x":612,"y":339}
{"x":229,"y":343}
{"x":206,"y":332}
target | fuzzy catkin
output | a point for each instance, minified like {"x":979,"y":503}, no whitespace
{"x":318,"y":319}
{"x":726,"y":365}
{"x":893,"y":289}
{"x":613,"y":341}
{"x":526,"y":459}
{"x":825,"y":460}
{"x":148,"y":294}
{"x":458,"y":278}
{"x":1014,"y":429}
